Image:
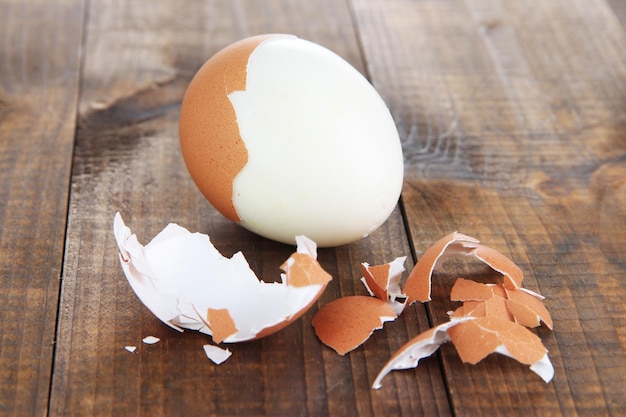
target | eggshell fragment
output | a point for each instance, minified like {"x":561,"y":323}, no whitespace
{"x":418,"y":284}
{"x":513,"y":275}
{"x":523,"y":307}
{"x":469,"y":308}
{"x":527,"y":309}
{"x":383,"y":281}
{"x":303,"y":270}
{"x":183,"y":279}
{"x":286,"y":138}
{"x":467,"y":289}
{"x":346,"y":323}
{"x":501,"y":336}
{"x":376,"y":279}
{"x":492,"y":307}
{"x":216,"y":353}
{"x":421,"y":346}
{"x":480,"y":300}
{"x":150,"y":340}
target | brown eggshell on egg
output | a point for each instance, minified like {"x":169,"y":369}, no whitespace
{"x":209,"y":134}
{"x":286,"y":138}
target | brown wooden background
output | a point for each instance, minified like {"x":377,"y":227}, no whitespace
{"x":512,"y":117}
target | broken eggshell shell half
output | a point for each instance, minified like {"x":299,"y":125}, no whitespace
{"x":184,"y":280}
{"x":286,"y":138}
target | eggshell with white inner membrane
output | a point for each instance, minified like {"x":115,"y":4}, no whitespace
{"x":286,"y":138}
{"x":188,"y":284}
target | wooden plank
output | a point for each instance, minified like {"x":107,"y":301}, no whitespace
{"x":512,"y":119}
{"x":39,"y":72}
{"x":138,"y":63}
{"x":619,"y":8}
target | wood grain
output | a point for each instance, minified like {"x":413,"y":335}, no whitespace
{"x":512,"y":120}
{"x":513,"y":126}
{"x":138,"y":62}
{"x":39,"y":72}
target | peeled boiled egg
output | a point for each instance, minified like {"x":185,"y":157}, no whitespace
{"x":286,"y":138}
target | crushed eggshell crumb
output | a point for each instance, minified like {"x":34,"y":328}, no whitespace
{"x":131,"y":349}
{"x":346,"y":323}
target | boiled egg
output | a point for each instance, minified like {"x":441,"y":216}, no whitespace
{"x":286,"y":138}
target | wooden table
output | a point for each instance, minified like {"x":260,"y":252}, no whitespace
{"x":512,"y":117}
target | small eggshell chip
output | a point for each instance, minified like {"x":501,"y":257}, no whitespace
{"x":376,"y":279}
{"x":286,"y":138}
{"x":346,"y":323}
{"x":383,"y":281}
{"x":150,"y":340}
{"x":183,"y":279}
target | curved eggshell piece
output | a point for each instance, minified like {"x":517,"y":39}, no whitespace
{"x":418,"y":283}
{"x":421,"y":346}
{"x":184,"y":280}
{"x":521,"y":343}
{"x":512,"y":274}
{"x":345,"y":323}
{"x":527,"y":309}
